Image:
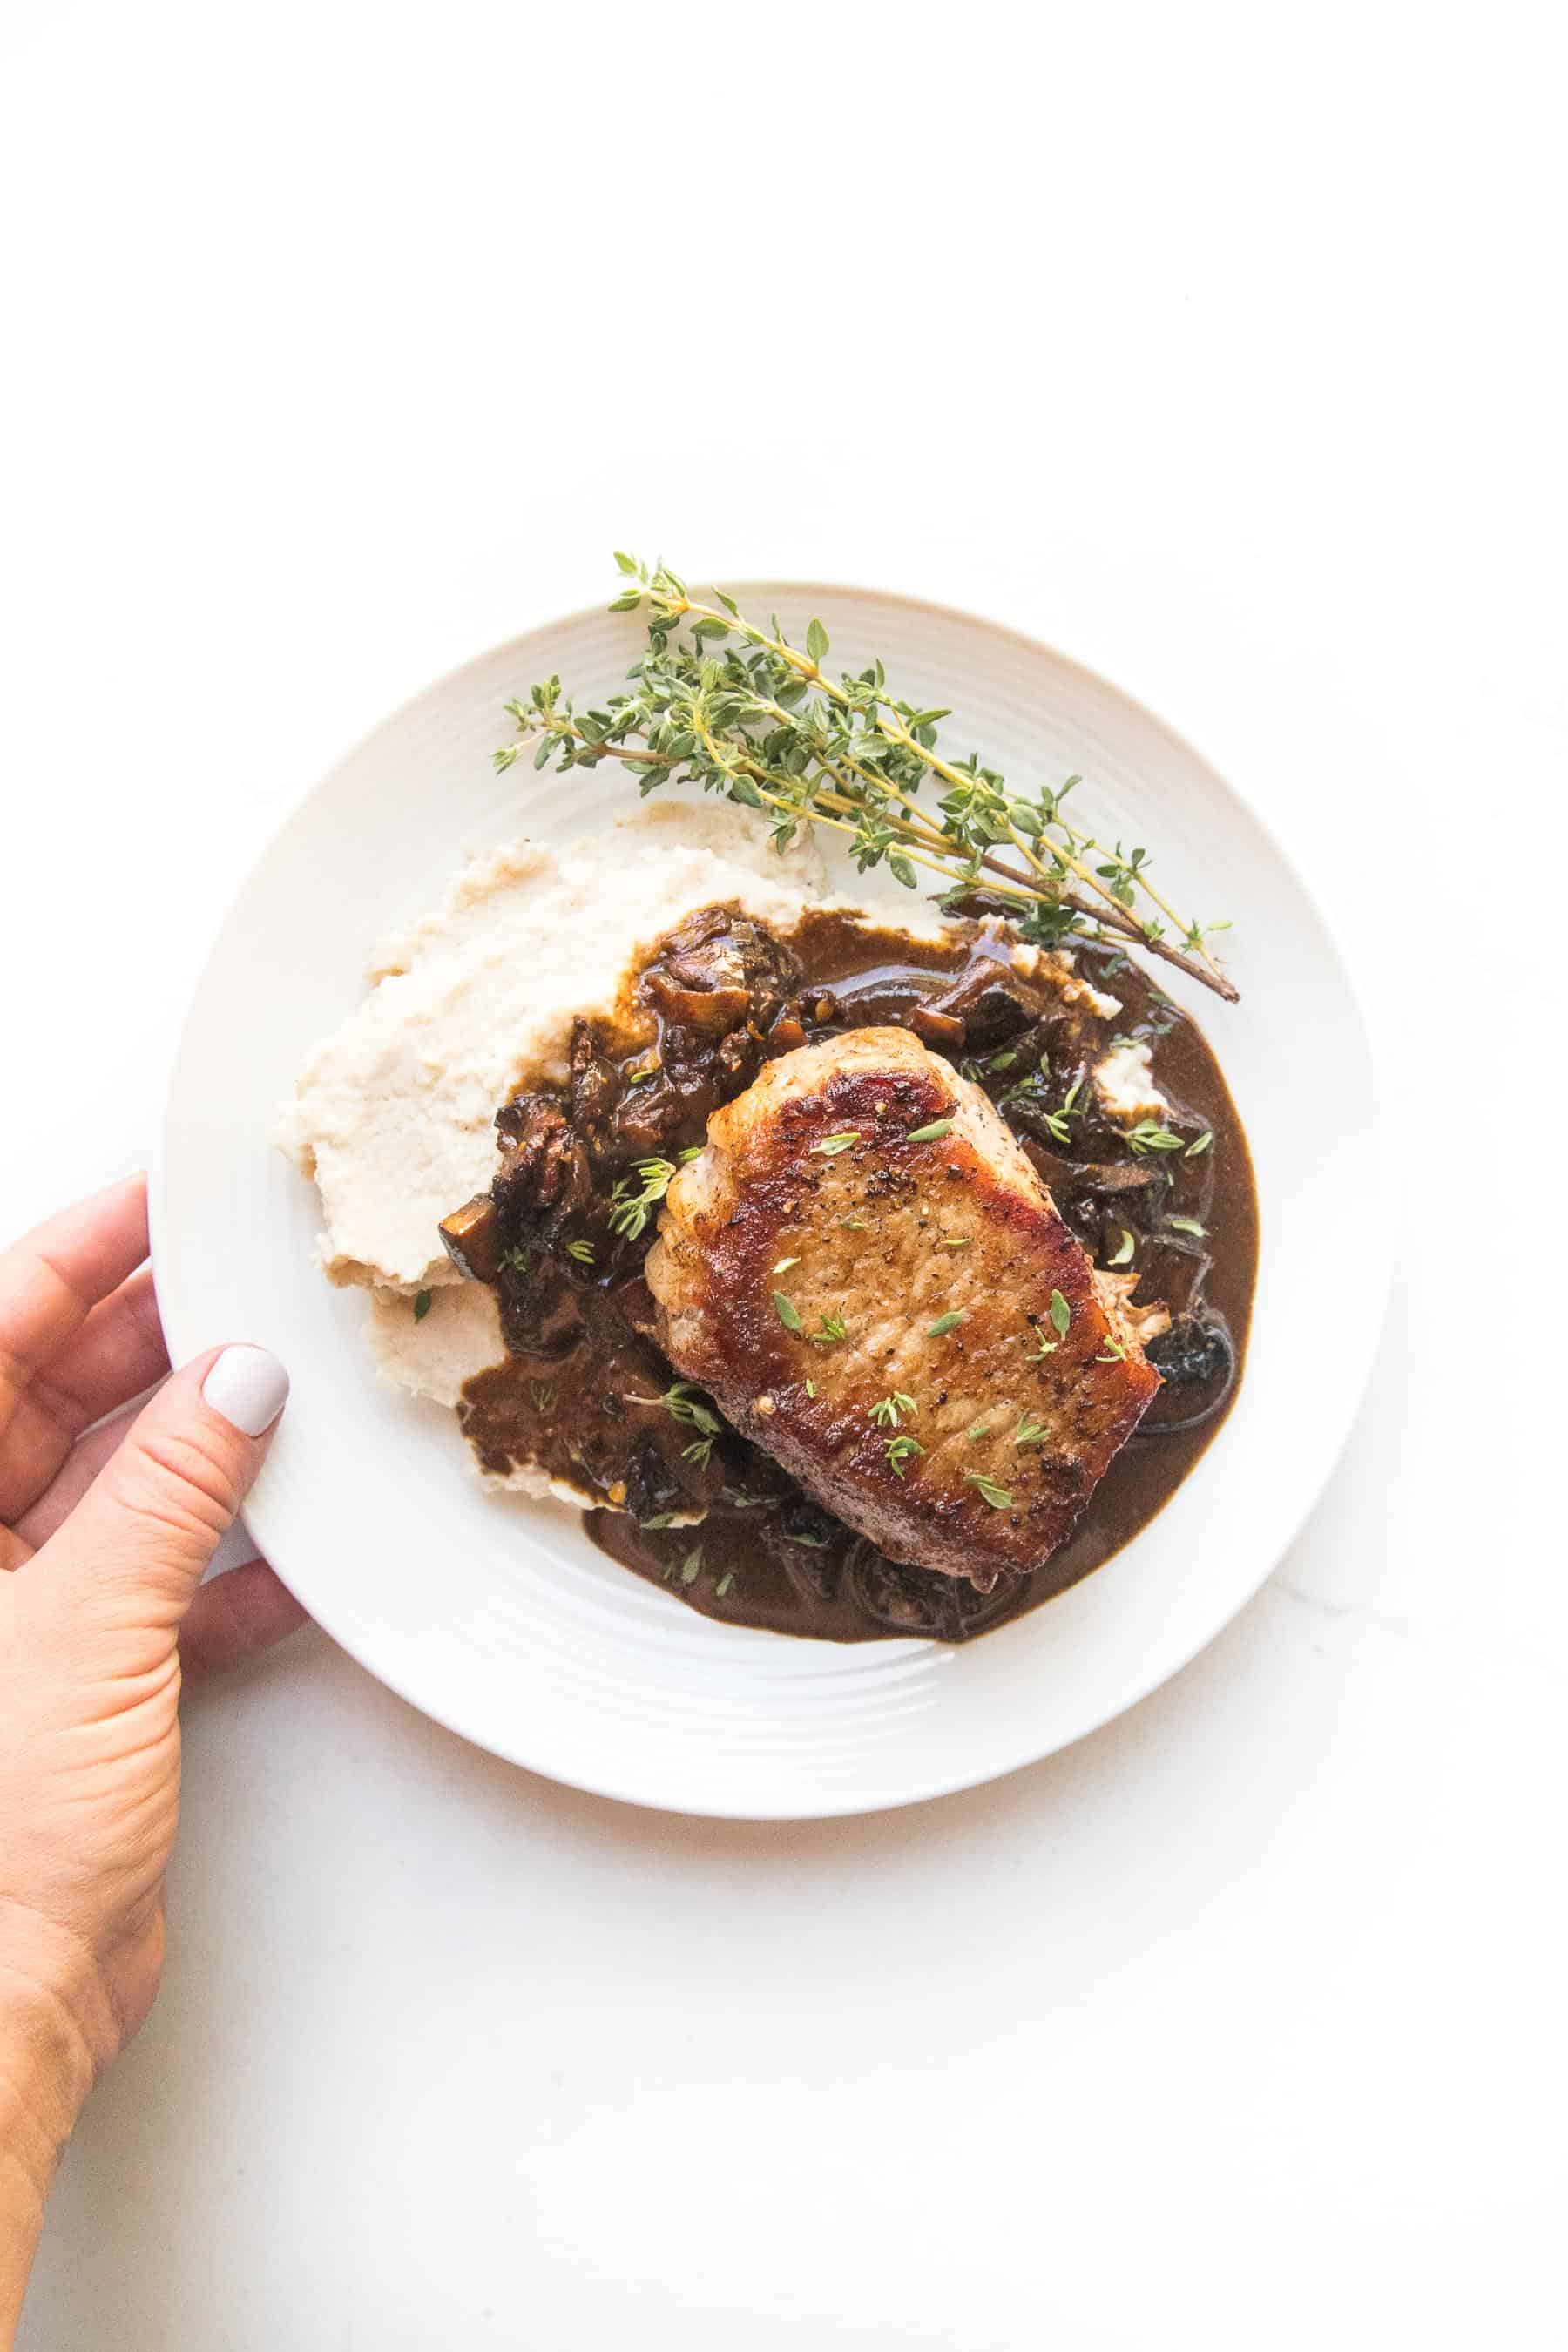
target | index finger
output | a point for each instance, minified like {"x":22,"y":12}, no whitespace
{"x":51,"y":1280}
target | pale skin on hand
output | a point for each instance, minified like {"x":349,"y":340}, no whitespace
{"x":105,"y":1532}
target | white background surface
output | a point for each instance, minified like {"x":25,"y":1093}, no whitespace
{"x":1220,"y":346}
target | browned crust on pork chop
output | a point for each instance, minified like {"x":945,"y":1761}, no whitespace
{"x":891,"y":1235}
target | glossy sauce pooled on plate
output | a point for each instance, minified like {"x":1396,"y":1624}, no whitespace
{"x":586,"y":1393}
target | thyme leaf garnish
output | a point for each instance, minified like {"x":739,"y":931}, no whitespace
{"x":1059,"y":1122}
{"x":629,"y":1211}
{"x":900,"y":1452}
{"x":683,"y":1403}
{"x":886,"y":1413}
{"x":718,"y":700}
{"x":1150,"y":1136}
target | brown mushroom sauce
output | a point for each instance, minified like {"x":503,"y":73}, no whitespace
{"x":586,"y":1394}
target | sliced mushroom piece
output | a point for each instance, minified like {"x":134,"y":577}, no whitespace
{"x":597,"y":1085}
{"x":539,"y":1313}
{"x":739,"y":1055}
{"x":1194,"y":1350}
{"x":1139,"y":1323}
{"x":992,"y":1008}
{"x":945,"y":1031}
{"x":645,"y":1118}
{"x":471,"y":1238}
{"x":711,"y":1010}
{"x":721,"y":955}
{"x":1109,"y":1178}
{"x":785,"y":1034}
{"x":653,"y":1482}
{"x":803,"y":1539}
{"x":919,"y":1601}
{"x":544,"y":1173}
{"x":1196,"y":1360}
{"x":877,"y":1003}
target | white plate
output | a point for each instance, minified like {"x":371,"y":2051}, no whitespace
{"x":495,"y":1616}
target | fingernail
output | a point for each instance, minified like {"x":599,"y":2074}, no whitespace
{"x":248,"y":1387}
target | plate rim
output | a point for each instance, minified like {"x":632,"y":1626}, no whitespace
{"x":1350,"y":1394}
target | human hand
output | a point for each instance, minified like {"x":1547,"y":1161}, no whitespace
{"x":104,"y":1541}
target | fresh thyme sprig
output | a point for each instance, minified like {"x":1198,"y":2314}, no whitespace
{"x":738,"y":710}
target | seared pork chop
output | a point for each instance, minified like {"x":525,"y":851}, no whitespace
{"x":869,"y":1277}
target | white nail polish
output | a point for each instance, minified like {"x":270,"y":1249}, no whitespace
{"x":248,"y":1387}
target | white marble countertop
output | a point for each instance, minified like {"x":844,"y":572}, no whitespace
{"x":1221,"y":348}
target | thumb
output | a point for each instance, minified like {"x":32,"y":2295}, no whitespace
{"x":148,"y":1527}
